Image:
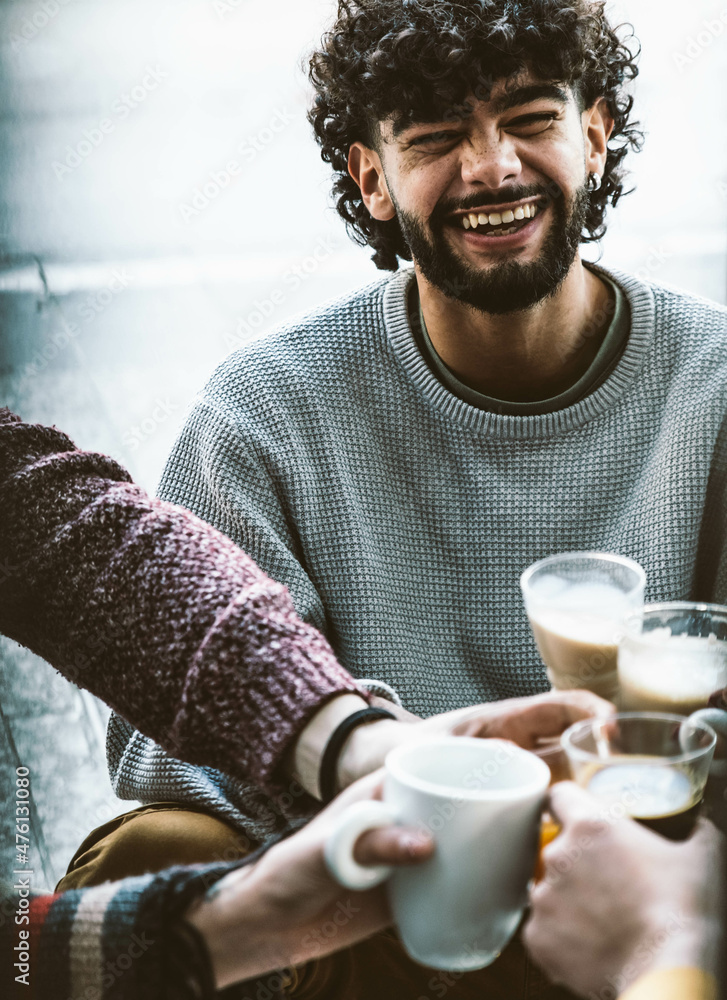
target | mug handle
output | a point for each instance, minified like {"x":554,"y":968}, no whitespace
{"x":717,"y":719}
{"x":338,"y":849}
{"x":714,"y":717}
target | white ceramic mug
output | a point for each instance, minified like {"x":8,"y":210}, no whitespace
{"x":481,"y":800}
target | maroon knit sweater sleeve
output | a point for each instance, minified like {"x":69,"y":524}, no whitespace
{"x":154,"y":611}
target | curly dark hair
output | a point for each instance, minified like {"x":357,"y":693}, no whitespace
{"x":420,"y":60}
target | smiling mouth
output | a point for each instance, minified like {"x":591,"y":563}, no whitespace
{"x":502,"y":223}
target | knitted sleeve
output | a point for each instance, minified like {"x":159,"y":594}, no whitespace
{"x":118,"y":941}
{"x":152,"y":610}
{"x":124,"y":940}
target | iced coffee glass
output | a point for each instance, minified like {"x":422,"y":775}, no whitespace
{"x":577,"y":603}
{"x":672,"y":657}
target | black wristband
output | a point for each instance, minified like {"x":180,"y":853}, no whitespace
{"x":329,"y":760}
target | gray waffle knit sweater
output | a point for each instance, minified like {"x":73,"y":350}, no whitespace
{"x":400,"y":517}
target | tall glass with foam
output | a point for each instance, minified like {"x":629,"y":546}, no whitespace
{"x":672,"y":657}
{"x":577,"y":603}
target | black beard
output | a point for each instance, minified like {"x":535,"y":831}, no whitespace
{"x":509,"y":286}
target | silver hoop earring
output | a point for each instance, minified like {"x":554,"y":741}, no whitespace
{"x":594,"y":182}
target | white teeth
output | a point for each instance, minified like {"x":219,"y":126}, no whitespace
{"x":472,"y":221}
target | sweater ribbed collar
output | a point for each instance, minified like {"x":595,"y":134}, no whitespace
{"x":401,"y":337}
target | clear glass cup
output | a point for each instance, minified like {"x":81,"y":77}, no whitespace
{"x":577,"y":603}
{"x":672,"y":657}
{"x":652,"y":766}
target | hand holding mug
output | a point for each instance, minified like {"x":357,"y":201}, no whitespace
{"x":619,"y":901}
{"x":481,"y":801}
{"x":526,"y":721}
{"x":280,"y":911}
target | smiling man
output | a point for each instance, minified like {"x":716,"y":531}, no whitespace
{"x":399,"y":456}
{"x":493,"y":207}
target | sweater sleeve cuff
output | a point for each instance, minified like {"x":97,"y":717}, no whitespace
{"x":247,"y":721}
{"x":686,"y":983}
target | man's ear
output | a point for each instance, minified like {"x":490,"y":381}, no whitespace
{"x":364,"y":165}
{"x":597,"y":128}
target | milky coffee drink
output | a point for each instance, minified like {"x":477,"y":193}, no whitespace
{"x":578,"y":634}
{"x":665,"y":673}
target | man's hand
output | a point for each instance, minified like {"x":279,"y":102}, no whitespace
{"x":525,"y":721}
{"x":618,"y":901}
{"x":287,"y":908}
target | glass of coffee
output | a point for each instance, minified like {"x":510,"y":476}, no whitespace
{"x":577,"y":603}
{"x":672,"y":657}
{"x":652,"y":766}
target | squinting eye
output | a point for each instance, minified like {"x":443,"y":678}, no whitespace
{"x":531,"y":124}
{"x":434,"y":138}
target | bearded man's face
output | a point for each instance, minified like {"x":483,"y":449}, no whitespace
{"x":493,"y":205}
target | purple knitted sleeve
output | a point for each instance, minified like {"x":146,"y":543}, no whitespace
{"x":154,"y":611}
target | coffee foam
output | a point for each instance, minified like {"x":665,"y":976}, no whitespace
{"x":583,"y":612}
{"x":678,"y":672}
{"x":646,"y":789}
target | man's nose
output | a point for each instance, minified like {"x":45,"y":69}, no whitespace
{"x":493,"y":162}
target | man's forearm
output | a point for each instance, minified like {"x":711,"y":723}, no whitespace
{"x":364,"y":750}
{"x":240,"y":931}
{"x":153,"y":610}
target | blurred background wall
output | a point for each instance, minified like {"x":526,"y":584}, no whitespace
{"x":162,"y":201}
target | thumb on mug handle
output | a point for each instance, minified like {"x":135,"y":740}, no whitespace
{"x":338,"y":849}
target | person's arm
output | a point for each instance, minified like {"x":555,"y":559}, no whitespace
{"x":177,"y":629}
{"x":620,"y":907}
{"x":241,"y":474}
{"x":289,"y":896}
{"x":119,"y":940}
{"x":187,"y":932}
{"x":158,"y":614}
